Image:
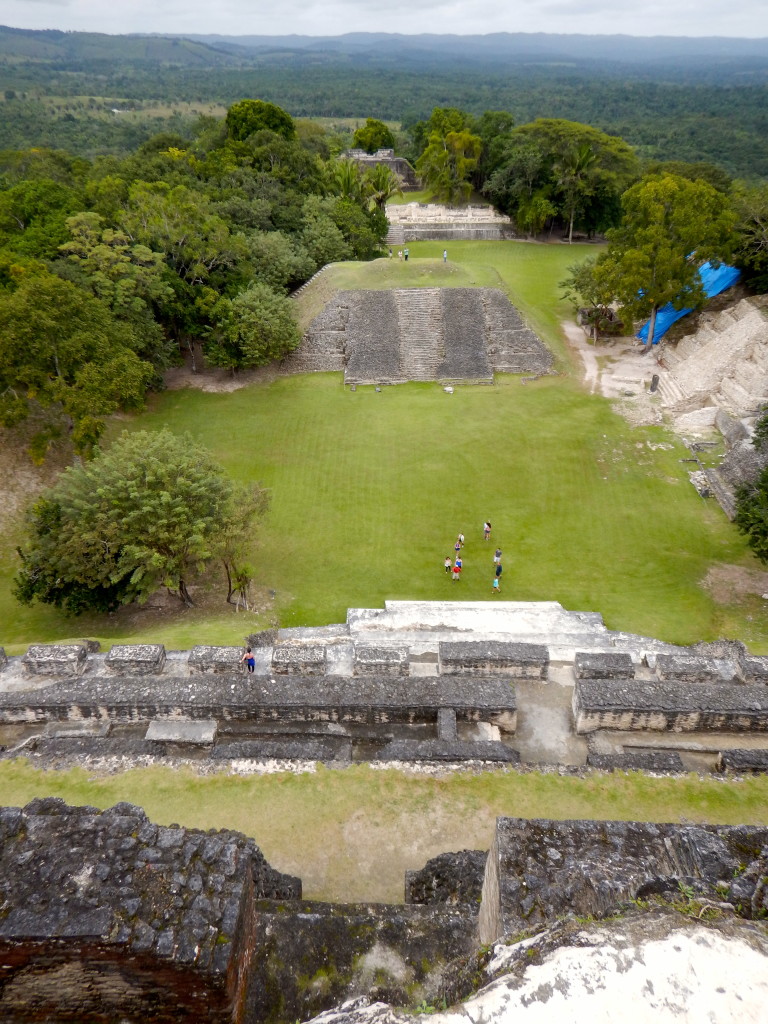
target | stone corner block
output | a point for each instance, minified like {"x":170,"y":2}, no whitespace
{"x":382,"y":661}
{"x":299,"y":659}
{"x":55,"y":659}
{"x":136,"y":659}
{"x":206,"y":659}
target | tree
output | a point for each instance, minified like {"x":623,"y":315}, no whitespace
{"x":751,"y":206}
{"x":374,"y":135}
{"x":574,"y":175}
{"x":249,"y":116}
{"x":591,"y":297}
{"x":64,"y":353}
{"x":447,"y":163}
{"x":149,"y":511}
{"x":253,"y":328}
{"x":670,"y":227}
{"x":380,"y":184}
{"x":752,"y":514}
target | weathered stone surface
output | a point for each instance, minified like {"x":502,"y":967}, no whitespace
{"x":603,"y":665}
{"x":299,"y":659}
{"x":743,"y":761}
{"x":380,"y":660}
{"x":136,"y":659}
{"x":370,"y":700}
{"x":55,"y":659}
{"x":444,"y":750}
{"x":200,"y":733}
{"x":3,"y":658}
{"x":540,"y":870}
{"x":754,"y":669}
{"x":310,"y":956}
{"x":518,"y":661}
{"x":638,"y":760}
{"x":660,"y":966}
{"x":696,"y":668}
{"x":614,"y":704}
{"x":449,"y":878}
{"x":286,"y":748}
{"x":446,"y":725}
{"x":265,"y":638}
{"x":105,"y":911}
{"x":216,"y":660}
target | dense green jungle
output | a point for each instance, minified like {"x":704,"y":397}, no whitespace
{"x":93,"y":94}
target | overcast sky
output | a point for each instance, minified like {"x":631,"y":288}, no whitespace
{"x":747,"y":18}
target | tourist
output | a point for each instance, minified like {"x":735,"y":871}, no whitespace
{"x":497,"y":556}
{"x":487,"y":530}
{"x":456,"y":570}
{"x":457,"y":545}
{"x":249,"y":659}
{"x":406,"y":254}
{"x":460,"y":564}
{"x":447,"y":563}
{"x":499,"y":570}
{"x":400,"y":255}
{"x":390,"y":252}
{"x":445,"y":255}
{"x":496,"y":585}
{"x":461,"y":539}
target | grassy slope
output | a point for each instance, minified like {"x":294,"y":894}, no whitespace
{"x":351,"y":834}
{"x":369,"y":489}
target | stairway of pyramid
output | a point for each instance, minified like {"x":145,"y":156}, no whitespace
{"x":450,"y":335}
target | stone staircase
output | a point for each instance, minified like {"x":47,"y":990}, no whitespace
{"x":422,"y":346}
{"x":395,"y":235}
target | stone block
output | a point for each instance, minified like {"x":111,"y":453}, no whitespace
{"x":200,"y":733}
{"x":55,"y":659}
{"x":668,"y":706}
{"x":695,"y":668}
{"x":299,"y":659}
{"x":448,"y":879}
{"x":747,"y":761}
{"x":446,"y":725}
{"x":3,"y":658}
{"x":638,"y":760}
{"x":516,"y":660}
{"x":136,"y":659}
{"x":383,"y":661}
{"x":77,"y":730}
{"x":541,"y":870}
{"x":445,"y":751}
{"x":603,"y":665}
{"x":754,"y":669}
{"x":206,"y":659}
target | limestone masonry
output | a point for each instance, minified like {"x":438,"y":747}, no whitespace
{"x":107,"y":917}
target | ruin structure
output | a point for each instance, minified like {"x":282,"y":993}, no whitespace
{"x":451,"y":335}
{"x":414,"y":222}
{"x":387,"y":157}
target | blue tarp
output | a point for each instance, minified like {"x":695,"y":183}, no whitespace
{"x":714,"y":279}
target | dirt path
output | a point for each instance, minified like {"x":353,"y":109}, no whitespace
{"x":618,"y":370}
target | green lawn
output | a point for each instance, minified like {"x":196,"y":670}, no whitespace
{"x":369,"y":489}
{"x":350,"y":835}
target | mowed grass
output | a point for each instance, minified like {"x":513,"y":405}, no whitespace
{"x":369,"y":489}
{"x":351,"y":834}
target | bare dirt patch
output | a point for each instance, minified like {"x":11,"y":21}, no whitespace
{"x":618,"y":370}
{"x":730,"y":583}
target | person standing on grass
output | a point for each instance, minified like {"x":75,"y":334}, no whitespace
{"x":445,"y":255}
{"x":406,"y":253}
{"x":249,"y":659}
{"x":456,"y":570}
{"x":457,"y":545}
{"x":461,"y":539}
{"x":487,"y":530}
{"x":499,"y":570}
{"x":447,"y":563}
{"x":400,"y":255}
{"x":497,"y":556}
{"x":496,"y":585}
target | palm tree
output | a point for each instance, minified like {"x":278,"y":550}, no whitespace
{"x":575,"y":174}
{"x":382,"y":183}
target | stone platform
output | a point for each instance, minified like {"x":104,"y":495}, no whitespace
{"x":440,"y":682}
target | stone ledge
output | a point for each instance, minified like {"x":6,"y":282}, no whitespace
{"x":302,"y":659}
{"x":752,"y":761}
{"x":603,"y":665}
{"x":216,"y":660}
{"x":444,"y":750}
{"x":199,"y":733}
{"x":517,"y":660}
{"x":694,"y":668}
{"x":644,"y":761}
{"x":381,"y":660}
{"x":55,"y":659}
{"x":136,"y":659}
